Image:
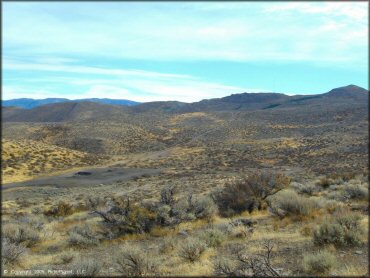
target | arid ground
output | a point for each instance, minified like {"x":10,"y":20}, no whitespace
{"x":243,"y":185}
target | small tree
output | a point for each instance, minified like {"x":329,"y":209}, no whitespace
{"x":124,"y":218}
{"x":250,"y":193}
{"x":168,"y":196}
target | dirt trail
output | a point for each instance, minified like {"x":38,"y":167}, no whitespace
{"x":87,"y":176}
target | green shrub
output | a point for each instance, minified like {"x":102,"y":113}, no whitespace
{"x":308,"y":189}
{"x":167,"y":244}
{"x":224,"y":267}
{"x":61,"y":209}
{"x":165,"y":215}
{"x":356,"y":192}
{"x":131,"y":261}
{"x":192,"y":249}
{"x":329,"y":233}
{"x":82,"y":236}
{"x":350,"y":221}
{"x":11,"y":252}
{"x":319,"y":263}
{"x":352,"y":228}
{"x":139,"y":220}
{"x":168,"y":195}
{"x":124,"y":218}
{"x":183,"y":211}
{"x":21,"y":234}
{"x":240,"y":231}
{"x":289,"y":203}
{"x":342,"y":230}
{"x":203,"y":207}
{"x":187,"y":209}
{"x":36,"y":222}
{"x":213,"y":237}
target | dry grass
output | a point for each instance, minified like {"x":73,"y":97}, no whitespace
{"x":25,"y":159}
{"x":194,"y":166}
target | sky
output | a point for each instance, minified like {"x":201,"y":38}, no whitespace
{"x":184,"y":51}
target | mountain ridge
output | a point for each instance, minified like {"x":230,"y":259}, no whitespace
{"x":29,"y":103}
{"x":349,"y":91}
{"x":89,"y":110}
{"x":62,"y":112}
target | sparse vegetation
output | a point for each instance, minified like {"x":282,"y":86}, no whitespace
{"x":213,"y":237}
{"x":308,"y":189}
{"x":87,"y":267}
{"x":20,"y":234}
{"x":61,"y":209}
{"x":319,"y":263}
{"x":202,"y":207}
{"x":82,"y":236}
{"x":66,"y":257}
{"x":257,"y":266}
{"x":168,"y":244}
{"x":11,"y":252}
{"x":289,"y":203}
{"x":270,"y":192}
{"x":325,"y":182}
{"x":124,"y":218}
{"x":192,"y":249}
{"x":342,"y":230}
{"x":359,"y":192}
{"x":132,"y":261}
{"x":18,"y":163}
{"x":249,"y":193}
{"x":224,"y":267}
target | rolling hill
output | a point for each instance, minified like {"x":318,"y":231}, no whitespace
{"x":63,"y":161}
{"x":88,"y":110}
{"x":63,"y":112}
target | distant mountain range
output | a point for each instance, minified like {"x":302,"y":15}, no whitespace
{"x":256,"y":101}
{"x":29,"y":103}
{"x":349,"y":96}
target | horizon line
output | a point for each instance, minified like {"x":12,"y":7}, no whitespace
{"x":139,"y":102}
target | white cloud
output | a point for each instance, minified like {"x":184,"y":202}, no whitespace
{"x":141,"y":91}
{"x":60,"y":67}
{"x":353,"y":10}
{"x":187,"y":91}
{"x":157,"y":91}
{"x":188,"y":31}
{"x":59,"y":44}
{"x":135,"y":85}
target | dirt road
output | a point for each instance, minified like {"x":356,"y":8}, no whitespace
{"x":88,"y":176}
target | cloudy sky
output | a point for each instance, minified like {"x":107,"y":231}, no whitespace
{"x":184,"y":51}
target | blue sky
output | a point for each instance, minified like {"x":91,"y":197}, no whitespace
{"x":185,"y":51}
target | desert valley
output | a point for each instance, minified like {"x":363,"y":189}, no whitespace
{"x":260,"y":184}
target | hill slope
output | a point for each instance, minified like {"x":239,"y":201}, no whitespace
{"x":63,"y":112}
{"x":86,"y":110}
{"x":257,"y":101}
